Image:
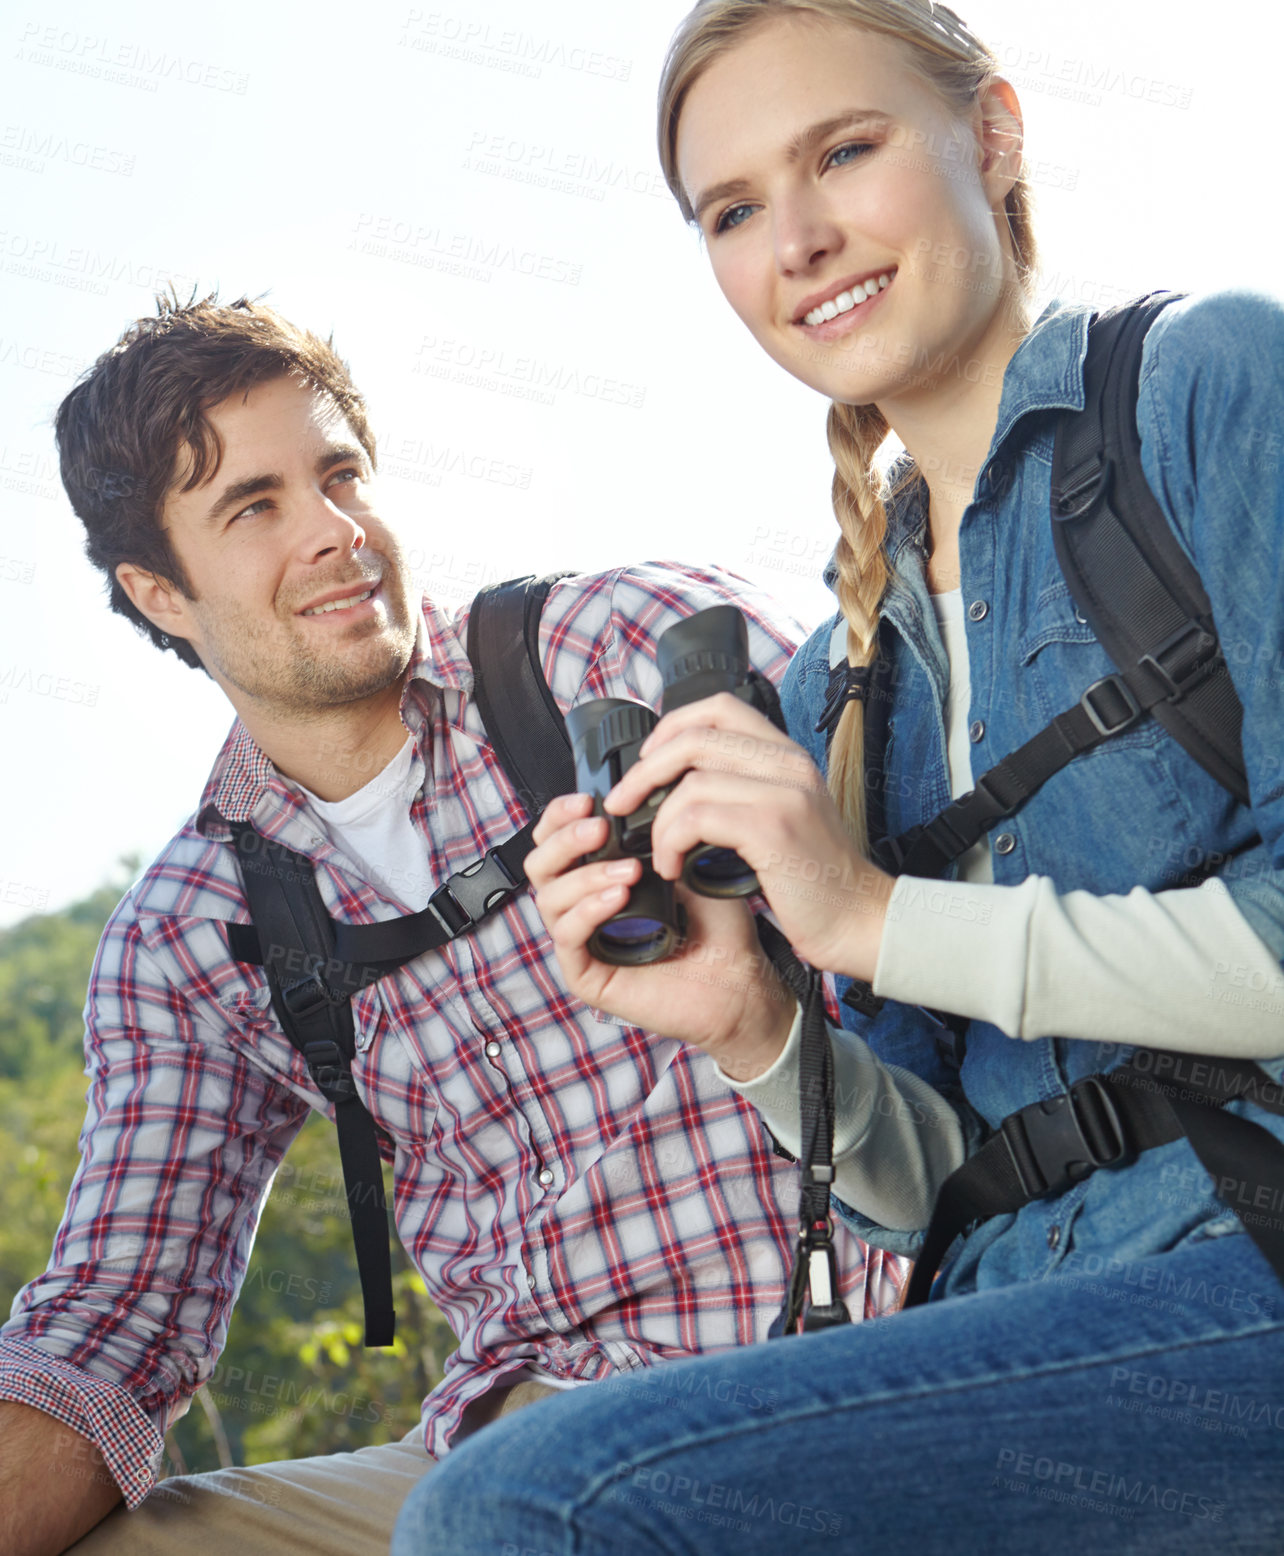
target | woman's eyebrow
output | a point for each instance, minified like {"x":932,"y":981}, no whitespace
{"x":799,"y":145}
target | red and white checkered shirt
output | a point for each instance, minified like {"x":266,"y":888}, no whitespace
{"x":580,"y":1196}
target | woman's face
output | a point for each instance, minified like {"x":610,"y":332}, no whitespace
{"x":848,"y":217}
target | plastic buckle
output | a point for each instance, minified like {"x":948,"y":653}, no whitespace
{"x":1132,"y":710}
{"x":308,"y":996}
{"x":329,"y":1070}
{"x":469,"y":895}
{"x":1193,"y":652}
{"x":1084,"y":489}
{"x":1055,"y":1143}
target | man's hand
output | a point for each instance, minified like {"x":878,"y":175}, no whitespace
{"x":54,"y":1486}
{"x":718,"y":991}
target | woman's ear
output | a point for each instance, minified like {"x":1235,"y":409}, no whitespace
{"x":1002,"y":139}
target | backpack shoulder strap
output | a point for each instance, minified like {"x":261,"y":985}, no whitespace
{"x":1126,"y":569}
{"x":314,"y":966}
{"x":516,"y":703}
{"x":296,"y":942}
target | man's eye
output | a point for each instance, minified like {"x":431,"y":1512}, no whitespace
{"x":347,"y":475}
{"x":253,"y":511}
{"x":733,"y":216}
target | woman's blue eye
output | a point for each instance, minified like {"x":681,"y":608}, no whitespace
{"x":852,"y":151}
{"x":733,"y":216}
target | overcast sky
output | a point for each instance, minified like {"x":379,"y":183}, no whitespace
{"x":468,"y":197}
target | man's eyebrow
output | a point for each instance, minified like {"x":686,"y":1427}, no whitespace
{"x":337,"y":453}
{"x":239,"y":491}
{"x":252,"y":486}
{"x":805,"y":141}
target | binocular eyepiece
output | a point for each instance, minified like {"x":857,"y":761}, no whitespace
{"x":699,"y":657}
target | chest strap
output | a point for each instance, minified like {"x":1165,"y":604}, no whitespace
{"x":1107,"y":708}
{"x":1105,"y":1121}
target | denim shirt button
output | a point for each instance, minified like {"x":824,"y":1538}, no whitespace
{"x":1054,"y":1237}
{"x":976,"y":733}
{"x":1004,"y":843}
{"x":978,"y":610}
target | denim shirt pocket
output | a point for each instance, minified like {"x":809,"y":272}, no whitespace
{"x":1062,"y":657}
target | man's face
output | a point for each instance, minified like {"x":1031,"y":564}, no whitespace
{"x":301,"y":596}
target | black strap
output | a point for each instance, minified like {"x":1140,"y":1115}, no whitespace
{"x":1138,"y":591}
{"x":1127,"y":571}
{"x":812,"y":1293}
{"x":1105,"y":1121}
{"x":1107,"y":708}
{"x":509,"y":685}
{"x":315,"y":965}
{"x":296,"y":940}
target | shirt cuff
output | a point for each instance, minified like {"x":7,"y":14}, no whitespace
{"x":101,"y":1411}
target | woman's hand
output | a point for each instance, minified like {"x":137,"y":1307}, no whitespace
{"x":718,"y":991}
{"x":748,"y":787}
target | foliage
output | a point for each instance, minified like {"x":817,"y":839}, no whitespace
{"x":294,"y":1378}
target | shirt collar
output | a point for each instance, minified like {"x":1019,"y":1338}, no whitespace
{"x":242,"y":778}
{"x":1045,"y":374}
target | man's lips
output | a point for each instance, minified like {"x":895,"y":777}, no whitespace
{"x":841,"y":297}
{"x":339,"y":600}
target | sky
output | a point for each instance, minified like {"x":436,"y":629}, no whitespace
{"x":468,"y":197}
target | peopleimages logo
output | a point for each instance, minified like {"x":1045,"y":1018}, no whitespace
{"x":1119,"y":1493}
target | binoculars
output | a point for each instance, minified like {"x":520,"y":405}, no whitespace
{"x":699,"y":657}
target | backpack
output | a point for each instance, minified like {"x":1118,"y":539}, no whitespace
{"x":315,"y":965}
{"x":1142,"y":596}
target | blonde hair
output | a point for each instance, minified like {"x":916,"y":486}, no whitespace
{"x":943,"y":50}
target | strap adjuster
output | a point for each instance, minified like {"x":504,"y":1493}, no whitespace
{"x":310,"y":995}
{"x":329,"y":1070}
{"x":1185,"y":659}
{"x":467,"y":896}
{"x":1106,"y":720}
{"x":1055,"y":1143}
{"x":1084,"y":488}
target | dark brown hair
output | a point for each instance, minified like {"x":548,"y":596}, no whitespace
{"x":137,"y":418}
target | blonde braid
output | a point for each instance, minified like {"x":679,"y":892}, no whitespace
{"x":856,"y":432}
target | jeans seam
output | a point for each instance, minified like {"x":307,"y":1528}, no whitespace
{"x":591,"y":1492}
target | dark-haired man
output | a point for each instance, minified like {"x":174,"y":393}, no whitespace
{"x":562,"y":1179}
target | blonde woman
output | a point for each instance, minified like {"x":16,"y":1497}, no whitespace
{"x":1100,"y":1367}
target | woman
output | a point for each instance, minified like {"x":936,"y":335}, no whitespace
{"x":1101,"y":1368}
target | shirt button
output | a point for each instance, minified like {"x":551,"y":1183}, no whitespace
{"x":492,"y":1049}
{"x":977,"y":732}
{"x":1080,"y":617}
{"x":1054,"y":1237}
{"x":545,"y":1176}
{"x":530,"y":1279}
{"x":1004,"y":843}
{"x":978,"y":610}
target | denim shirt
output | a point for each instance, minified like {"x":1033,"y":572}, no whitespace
{"x":1137,"y":811}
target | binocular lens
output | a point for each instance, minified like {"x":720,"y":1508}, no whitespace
{"x":634,"y":941}
{"x":720,"y":872}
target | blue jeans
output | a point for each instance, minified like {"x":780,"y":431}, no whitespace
{"x":1122,"y":1406}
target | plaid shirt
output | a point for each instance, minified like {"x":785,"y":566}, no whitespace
{"x":580,"y":1196}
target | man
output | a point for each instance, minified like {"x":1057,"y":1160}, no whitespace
{"x":581,"y":1198}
